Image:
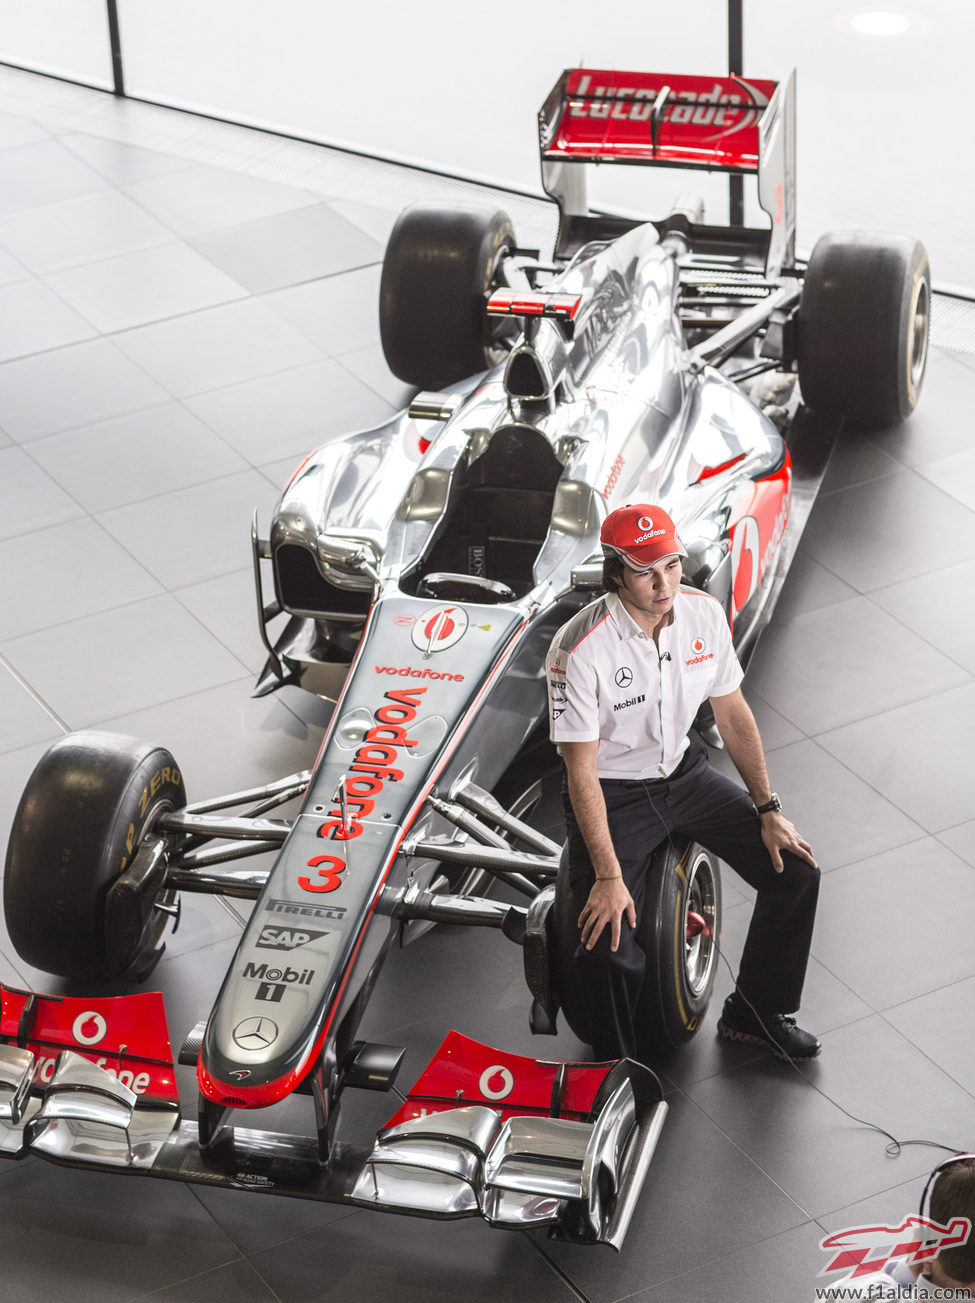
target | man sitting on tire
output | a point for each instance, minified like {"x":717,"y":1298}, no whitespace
{"x":626,"y":678}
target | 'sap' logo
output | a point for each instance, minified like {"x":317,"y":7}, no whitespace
{"x":916,"y":1239}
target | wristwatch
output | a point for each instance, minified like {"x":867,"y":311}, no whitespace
{"x":769,"y":806}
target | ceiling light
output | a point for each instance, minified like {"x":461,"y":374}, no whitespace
{"x":880,"y":22}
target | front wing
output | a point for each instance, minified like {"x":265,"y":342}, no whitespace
{"x":517,"y":1141}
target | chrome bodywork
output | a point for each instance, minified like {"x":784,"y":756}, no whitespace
{"x":419,"y":572}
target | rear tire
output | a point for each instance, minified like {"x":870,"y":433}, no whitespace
{"x":86,"y":807}
{"x":681,"y":969}
{"x":439,"y":266}
{"x":864,"y":322}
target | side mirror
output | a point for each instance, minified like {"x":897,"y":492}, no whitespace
{"x":588,"y":576}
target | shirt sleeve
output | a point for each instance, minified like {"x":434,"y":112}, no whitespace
{"x":573,"y":698}
{"x":728,"y":674}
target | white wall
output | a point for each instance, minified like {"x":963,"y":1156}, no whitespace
{"x":66,"y":37}
{"x":885,"y":123}
{"x":432,"y":80}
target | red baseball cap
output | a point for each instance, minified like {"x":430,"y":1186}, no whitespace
{"x":640,"y":535}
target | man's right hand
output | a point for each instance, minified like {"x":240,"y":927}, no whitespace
{"x":608,"y":902}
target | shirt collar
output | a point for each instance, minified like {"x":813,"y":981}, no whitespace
{"x":624,"y":623}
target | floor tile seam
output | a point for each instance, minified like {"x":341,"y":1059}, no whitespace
{"x":559,"y":1271}
{"x":28,"y":272}
{"x":35,"y":696}
{"x":244,"y":293}
{"x":85,"y":511}
{"x":348,"y":1212}
{"x":53,"y":290}
{"x":922,"y":832}
{"x":108,"y":720}
{"x":851,"y":1021}
{"x":163,"y":591}
{"x":935,"y":484}
{"x":367,"y":383}
{"x":93,"y":426}
{"x":915,"y":629}
{"x":835,"y":1104}
{"x":246,"y":470}
{"x":81,"y":343}
{"x":903,"y":705}
{"x":749,"y":1158}
{"x":301,"y":720}
{"x":939,"y":1067}
{"x":244,"y":1256}
{"x":200,"y":1275}
{"x":65,"y":131}
{"x":218,"y":478}
{"x":955,"y":827}
{"x":90,"y":262}
{"x":245,"y":296}
{"x":130,"y":190}
{"x":174,"y":242}
{"x":865,"y":482}
{"x":710,"y":1262}
{"x":900,"y":1142}
{"x":261,"y":295}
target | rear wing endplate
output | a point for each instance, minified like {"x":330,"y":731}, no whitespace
{"x":727,"y":124}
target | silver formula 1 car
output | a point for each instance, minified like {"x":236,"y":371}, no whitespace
{"x":414,"y":575}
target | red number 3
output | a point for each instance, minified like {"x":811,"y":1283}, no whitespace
{"x":331,"y":867}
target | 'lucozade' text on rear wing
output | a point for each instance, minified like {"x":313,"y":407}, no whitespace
{"x":726,"y":124}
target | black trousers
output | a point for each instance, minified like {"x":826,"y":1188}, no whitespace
{"x":699,"y":803}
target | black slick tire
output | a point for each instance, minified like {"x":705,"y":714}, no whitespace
{"x":863,"y":327}
{"x":440,"y":265}
{"x":85,"y":808}
{"x":683,"y":886}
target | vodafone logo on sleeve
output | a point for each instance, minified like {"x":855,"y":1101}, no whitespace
{"x":699,"y":652}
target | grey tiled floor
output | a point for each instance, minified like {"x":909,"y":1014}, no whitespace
{"x":173,"y":338}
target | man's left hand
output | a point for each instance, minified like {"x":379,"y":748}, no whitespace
{"x":780,"y":835}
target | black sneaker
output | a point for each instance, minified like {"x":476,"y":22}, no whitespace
{"x":778,"y":1034}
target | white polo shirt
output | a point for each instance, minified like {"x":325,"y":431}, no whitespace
{"x":607,"y":681}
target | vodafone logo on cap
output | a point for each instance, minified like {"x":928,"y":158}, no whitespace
{"x":644,"y":523}
{"x":439,"y":628}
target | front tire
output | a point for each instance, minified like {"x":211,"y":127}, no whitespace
{"x":683,"y":890}
{"x":86,"y":807}
{"x":863,"y":327}
{"x":439,"y":266}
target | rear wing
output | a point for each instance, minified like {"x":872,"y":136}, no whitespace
{"x":726,"y":124}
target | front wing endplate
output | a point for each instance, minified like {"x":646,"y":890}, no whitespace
{"x":518,"y":1141}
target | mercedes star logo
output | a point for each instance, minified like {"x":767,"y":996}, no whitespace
{"x":255,"y":1033}
{"x":624,"y":676}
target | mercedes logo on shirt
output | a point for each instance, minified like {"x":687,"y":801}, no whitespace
{"x":624,"y":676}
{"x":255,"y":1033}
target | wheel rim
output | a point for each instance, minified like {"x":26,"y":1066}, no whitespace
{"x":501,"y":333}
{"x":921,"y":309}
{"x":700,"y":951}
